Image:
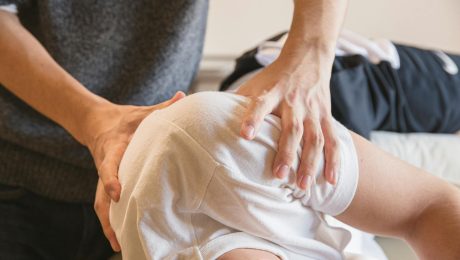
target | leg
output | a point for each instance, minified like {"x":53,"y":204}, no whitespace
{"x":396,"y":199}
{"x":159,"y":178}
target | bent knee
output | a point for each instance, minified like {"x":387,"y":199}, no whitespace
{"x":205,"y":108}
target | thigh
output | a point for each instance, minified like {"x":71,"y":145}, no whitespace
{"x":391,"y":194}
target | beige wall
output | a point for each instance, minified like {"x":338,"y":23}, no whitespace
{"x":430,"y":23}
{"x":236,"y":25}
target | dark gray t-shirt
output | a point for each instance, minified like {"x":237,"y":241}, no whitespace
{"x":129,"y":52}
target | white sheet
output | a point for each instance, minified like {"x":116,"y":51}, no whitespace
{"x":438,"y":154}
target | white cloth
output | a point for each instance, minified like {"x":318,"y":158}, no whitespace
{"x":194,"y":189}
{"x":348,"y":43}
{"x":435,"y":153}
{"x":12,"y":8}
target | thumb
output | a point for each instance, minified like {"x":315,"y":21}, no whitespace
{"x":178,"y":96}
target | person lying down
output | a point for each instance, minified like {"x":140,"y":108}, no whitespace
{"x":192,"y":188}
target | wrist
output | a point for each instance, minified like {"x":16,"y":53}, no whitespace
{"x":94,"y":120}
{"x":314,"y":52}
{"x":310,"y":67}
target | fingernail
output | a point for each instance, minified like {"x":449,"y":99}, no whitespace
{"x":248,"y":130}
{"x":306,"y":182}
{"x":283,"y":171}
{"x":333,"y":177}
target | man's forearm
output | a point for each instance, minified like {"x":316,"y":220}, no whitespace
{"x":28,"y":71}
{"x":314,"y":31}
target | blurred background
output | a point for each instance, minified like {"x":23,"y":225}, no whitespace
{"x":430,"y":23}
{"x":426,"y":23}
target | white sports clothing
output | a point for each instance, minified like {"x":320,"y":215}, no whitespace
{"x":192,"y":188}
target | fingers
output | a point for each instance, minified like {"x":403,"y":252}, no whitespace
{"x":313,"y":143}
{"x":108,"y":170}
{"x":258,"y":108}
{"x":291,"y":135}
{"x":331,"y":150}
{"x":102,"y":207}
{"x":178,"y":96}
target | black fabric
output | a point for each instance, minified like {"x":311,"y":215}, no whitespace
{"x":362,"y":96}
{"x":420,"y":96}
{"x":34,"y":228}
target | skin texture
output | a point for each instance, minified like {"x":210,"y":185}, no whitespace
{"x":396,"y":199}
{"x":295,"y":87}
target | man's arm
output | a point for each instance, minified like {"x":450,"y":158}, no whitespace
{"x":29,"y":72}
{"x":296,"y":88}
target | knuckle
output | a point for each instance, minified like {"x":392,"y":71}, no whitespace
{"x":308,"y":167}
{"x":260,"y":100}
{"x":286,"y":157}
{"x":251,"y":119}
{"x":303,"y":168}
{"x":108,"y":185}
{"x":315,"y":139}
{"x":295,"y":127}
{"x":259,"y":103}
{"x":333,"y":143}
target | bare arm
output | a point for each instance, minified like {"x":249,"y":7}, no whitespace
{"x":397,"y":199}
{"x":29,"y":72}
{"x":296,"y":88}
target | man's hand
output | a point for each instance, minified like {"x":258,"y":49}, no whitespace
{"x":296,"y":88}
{"x":299,"y":95}
{"x":108,"y":134}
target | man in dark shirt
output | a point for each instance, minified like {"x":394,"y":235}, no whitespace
{"x":77,"y":77}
